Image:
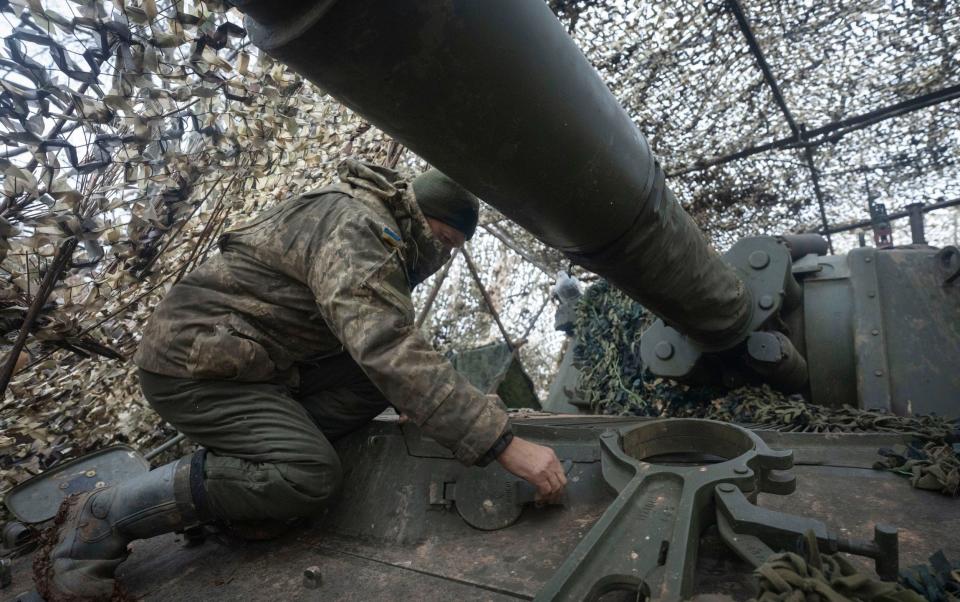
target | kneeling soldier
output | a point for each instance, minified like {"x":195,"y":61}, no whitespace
{"x":300,"y":331}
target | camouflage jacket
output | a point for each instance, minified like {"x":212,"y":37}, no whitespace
{"x":326,"y":273}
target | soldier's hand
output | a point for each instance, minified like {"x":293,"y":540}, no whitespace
{"x":537,"y":465}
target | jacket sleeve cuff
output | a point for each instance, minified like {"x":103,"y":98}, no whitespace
{"x":487,"y":429}
{"x":494,"y":452}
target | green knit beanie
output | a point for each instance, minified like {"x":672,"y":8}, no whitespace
{"x":443,"y":199}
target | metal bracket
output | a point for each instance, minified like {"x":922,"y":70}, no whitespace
{"x":755,"y":533}
{"x":948,"y":263}
{"x":764,"y":266}
{"x":870,"y":344}
{"x":647,"y":540}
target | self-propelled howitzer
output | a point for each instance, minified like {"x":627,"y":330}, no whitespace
{"x":497,"y":95}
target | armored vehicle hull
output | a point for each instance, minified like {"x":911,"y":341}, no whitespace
{"x":405,"y":525}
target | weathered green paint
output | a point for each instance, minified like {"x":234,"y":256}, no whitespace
{"x":647,"y":540}
{"x":763,"y":264}
{"x":832,"y":375}
{"x":877,"y":328}
{"x":899,"y":333}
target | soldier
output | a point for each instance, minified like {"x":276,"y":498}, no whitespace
{"x":298,"y":332}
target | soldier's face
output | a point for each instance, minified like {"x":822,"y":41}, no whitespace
{"x":448,"y":236}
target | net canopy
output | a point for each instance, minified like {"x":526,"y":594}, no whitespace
{"x":133,"y":133}
{"x":733,"y":94}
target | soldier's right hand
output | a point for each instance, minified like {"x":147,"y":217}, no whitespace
{"x":537,"y":465}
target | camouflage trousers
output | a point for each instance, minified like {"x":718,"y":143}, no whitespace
{"x":268,"y":446}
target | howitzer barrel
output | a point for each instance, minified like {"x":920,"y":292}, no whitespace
{"x":498,"y":96}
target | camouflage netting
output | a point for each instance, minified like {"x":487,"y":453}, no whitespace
{"x":132,"y":133}
{"x":932,"y":465}
{"x":686,"y":74}
{"x":813,"y":576}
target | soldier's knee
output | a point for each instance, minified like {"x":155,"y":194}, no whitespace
{"x":322,"y":480}
{"x":312,"y":484}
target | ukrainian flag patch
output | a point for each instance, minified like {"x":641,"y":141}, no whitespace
{"x":391,"y":238}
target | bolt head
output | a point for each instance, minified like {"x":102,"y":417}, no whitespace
{"x":878,"y":372}
{"x":726,"y":488}
{"x":741,"y":470}
{"x":949,"y":263}
{"x":312,"y":577}
{"x":766,"y":302}
{"x":875,"y":332}
{"x":759,"y":260}
{"x":664,"y":350}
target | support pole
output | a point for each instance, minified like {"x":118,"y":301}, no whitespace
{"x":915,"y":211}
{"x":754,"y":46}
{"x":815,"y":177}
{"x":514,"y":246}
{"x":486,"y":297}
{"x":829,"y":132}
{"x":891,"y":216}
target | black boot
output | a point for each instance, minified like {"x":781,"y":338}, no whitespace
{"x":91,"y":531}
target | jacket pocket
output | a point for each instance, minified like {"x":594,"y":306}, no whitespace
{"x":389,"y":282}
{"x":228,"y":353}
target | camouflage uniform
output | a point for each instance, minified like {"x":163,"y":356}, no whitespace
{"x":300,"y":331}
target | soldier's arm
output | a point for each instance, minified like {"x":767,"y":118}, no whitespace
{"x":363,"y":295}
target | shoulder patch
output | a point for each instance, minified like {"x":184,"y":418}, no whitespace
{"x":391,"y":238}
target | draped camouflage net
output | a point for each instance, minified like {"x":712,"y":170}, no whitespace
{"x":931,"y":465}
{"x":134,"y":132}
{"x":813,"y":576}
{"x":686,"y":74}
{"x":132,"y":136}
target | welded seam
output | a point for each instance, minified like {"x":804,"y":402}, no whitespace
{"x":489,"y":588}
